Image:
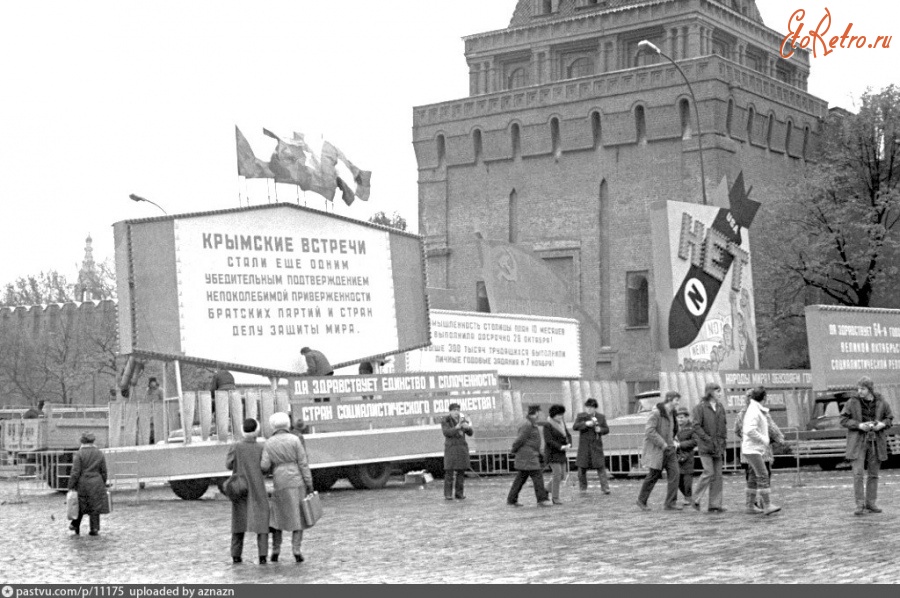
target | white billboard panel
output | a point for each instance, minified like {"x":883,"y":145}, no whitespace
{"x":516,"y":345}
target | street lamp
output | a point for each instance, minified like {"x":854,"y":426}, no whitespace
{"x":138,"y":198}
{"x":646,"y":45}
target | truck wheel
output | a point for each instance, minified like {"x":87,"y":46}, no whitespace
{"x":829,"y":464}
{"x":369,"y":476}
{"x":189,"y":489}
{"x":324,"y":479}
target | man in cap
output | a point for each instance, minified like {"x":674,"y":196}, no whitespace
{"x":866,"y":417}
{"x":527,"y":449}
{"x":591,"y":426}
{"x":456,"y":452}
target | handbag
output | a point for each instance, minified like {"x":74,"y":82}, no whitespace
{"x":72,"y":504}
{"x":235,"y":487}
{"x":311,"y":509}
{"x":107,"y":506}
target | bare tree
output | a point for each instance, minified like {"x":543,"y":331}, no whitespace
{"x":395,"y":221}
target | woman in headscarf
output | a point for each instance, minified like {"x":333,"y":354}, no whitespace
{"x":88,"y":478}
{"x":249,"y":513}
{"x":285,"y":456}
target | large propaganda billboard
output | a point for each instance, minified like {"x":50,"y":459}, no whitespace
{"x":704,"y":283}
{"x":847,"y":343}
{"x":249,"y":287}
{"x":520,"y":346}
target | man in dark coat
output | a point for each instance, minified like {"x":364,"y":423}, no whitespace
{"x":222,"y":380}
{"x":866,"y":418}
{"x":316,"y":363}
{"x":684,"y":437}
{"x":250,"y":513}
{"x":456,"y":452}
{"x":88,"y":478}
{"x":710,"y":429}
{"x":592,"y":426}
{"x":527,"y":449}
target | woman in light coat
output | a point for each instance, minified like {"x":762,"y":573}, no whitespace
{"x":88,"y":478}
{"x":249,"y":514}
{"x":285,"y":456}
{"x":754,"y":445}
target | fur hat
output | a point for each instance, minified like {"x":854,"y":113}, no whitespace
{"x":556,"y":410}
{"x":250,"y":426}
{"x":534,"y":409}
{"x":280,"y":421}
{"x":867,"y":382}
{"x":591,"y":403}
{"x":88,"y":438}
{"x":453,"y":407}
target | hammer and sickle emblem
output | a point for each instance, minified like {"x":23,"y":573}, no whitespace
{"x":509,"y":270}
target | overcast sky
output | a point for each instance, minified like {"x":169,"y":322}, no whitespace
{"x":103,"y":99}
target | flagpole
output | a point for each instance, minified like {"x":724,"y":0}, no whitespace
{"x":268,"y":192}
{"x":240,"y":199}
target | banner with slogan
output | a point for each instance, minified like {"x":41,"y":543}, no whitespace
{"x":387,"y":385}
{"x":408,"y":405}
{"x":778,"y":384}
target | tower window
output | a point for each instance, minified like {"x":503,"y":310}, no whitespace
{"x":441,"y":150}
{"x":729,"y":117}
{"x":580,"y":67}
{"x":769,"y":130}
{"x":596,"y":132}
{"x":638,"y":297}
{"x":517,"y":78}
{"x":684,"y":108}
{"x":554,"y":136}
{"x":751,"y":117}
{"x":516,"y":140}
{"x":787,"y":138}
{"x":640,"y":124}
{"x":476,"y":144}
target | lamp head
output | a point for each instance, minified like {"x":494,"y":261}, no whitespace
{"x":646,"y":45}
{"x":134,"y":197}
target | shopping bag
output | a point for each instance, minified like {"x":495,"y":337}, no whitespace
{"x":107,"y":506}
{"x":235,"y":487}
{"x":72,"y":504}
{"x":311,"y":509}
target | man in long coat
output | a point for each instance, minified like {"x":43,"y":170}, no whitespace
{"x":88,"y":478}
{"x":456,"y":452}
{"x":592,"y":426}
{"x":527,"y":449}
{"x":866,"y":418}
{"x":660,"y":450}
{"x":250,"y":513}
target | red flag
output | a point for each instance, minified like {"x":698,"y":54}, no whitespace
{"x":247,"y":163}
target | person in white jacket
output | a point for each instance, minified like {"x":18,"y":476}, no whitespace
{"x":755,"y":441}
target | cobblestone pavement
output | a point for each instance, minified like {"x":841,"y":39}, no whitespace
{"x":411,"y":534}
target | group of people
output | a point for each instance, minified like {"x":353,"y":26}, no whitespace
{"x":284,"y":455}
{"x":671,"y":435}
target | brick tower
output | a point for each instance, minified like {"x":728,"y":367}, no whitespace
{"x":571,"y":131}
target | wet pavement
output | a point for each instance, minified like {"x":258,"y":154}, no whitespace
{"x":411,"y":534}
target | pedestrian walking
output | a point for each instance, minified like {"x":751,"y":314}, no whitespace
{"x":776,"y":436}
{"x":527,"y":449}
{"x":558,"y":441}
{"x":711,"y":431}
{"x":755,"y":442}
{"x":686,"y":442}
{"x":88,"y":478}
{"x":455,"y":427}
{"x":591,"y":427}
{"x":285,"y":457}
{"x":660,"y":453}
{"x":249,"y":513}
{"x":866,"y":417}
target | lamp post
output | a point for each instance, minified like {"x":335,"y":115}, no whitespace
{"x":646,"y":45}
{"x":138,"y":198}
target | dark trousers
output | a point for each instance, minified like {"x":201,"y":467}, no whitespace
{"x":537,"y":479}
{"x":673,"y":476}
{"x":237,"y":544}
{"x":296,"y":540}
{"x":94,"y":521}
{"x":601,"y":473}
{"x":685,"y":482}
{"x":866,"y":468}
{"x":454,"y":479}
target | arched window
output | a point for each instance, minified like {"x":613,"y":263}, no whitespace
{"x":805,"y":141}
{"x":640,"y":124}
{"x":515,"y":138}
{"x":513,"y":216}
{"x":596,"y":132}
{"x":729,"y":116}
{"x":638,"y":297}
{"x":554,"y":137}
{"x":769,"y":130}
{"x":441,"y":150}
{"x":751,"y":118}
{"x":518,"y":78}
{"x":787,"y":138}
{"x":684,"y":108}
{"x":476,"y":144}
{"x":581,"y":67}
